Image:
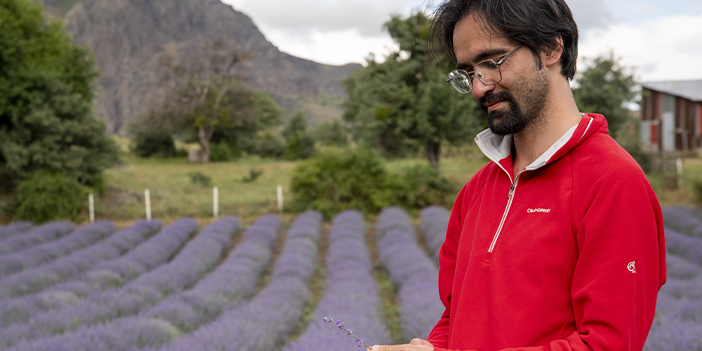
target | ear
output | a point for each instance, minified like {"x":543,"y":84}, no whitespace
{"x":554,"y":55}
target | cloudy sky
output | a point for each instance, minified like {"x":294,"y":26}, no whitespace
{"x":661,"y":40}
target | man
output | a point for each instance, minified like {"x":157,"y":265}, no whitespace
{"x":557,"y":244}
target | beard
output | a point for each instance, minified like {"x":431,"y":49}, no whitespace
{"x":504,"y":122}
{"x":514,"y":118}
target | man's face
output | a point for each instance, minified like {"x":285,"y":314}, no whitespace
{"x":519,"y":98}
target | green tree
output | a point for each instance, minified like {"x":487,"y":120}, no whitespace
{"x":207,"y":96}
{"x":270,"y":145}
{"x":152,"y":135}
{"x":332,"y":133}
{"x":405,"y":100}
{"x":297,"y":124}
{"x":46,"y":91}
{"x":299,"y":144}
{"x":258,"y":112}
{"x":604,"y":87}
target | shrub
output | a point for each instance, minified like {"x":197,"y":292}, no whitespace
{"x":423,"y":186}
{"x":299,"y":146}
{"x":332,"y":133}
{"x":253,"y":175}
{"x":270,"y":145}
{"x":337,"y":180}
{"x":148,"y":143}
{"x":199,"y":178}
{"x":220,"y":152}
{"x":49,"y":196}
{"x":697,"y":190}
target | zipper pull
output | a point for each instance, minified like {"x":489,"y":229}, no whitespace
{"x":511,"y":191}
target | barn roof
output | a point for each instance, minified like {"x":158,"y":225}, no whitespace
{"x":688,"y":89}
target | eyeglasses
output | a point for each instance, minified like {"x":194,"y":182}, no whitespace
{"x":487,"y":71}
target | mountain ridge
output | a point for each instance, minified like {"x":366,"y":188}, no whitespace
{"x":130,"y":40}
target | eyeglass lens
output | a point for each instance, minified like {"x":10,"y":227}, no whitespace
{"x":488,"y":72}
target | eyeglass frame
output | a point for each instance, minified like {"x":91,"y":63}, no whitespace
{"x":471,"y":75}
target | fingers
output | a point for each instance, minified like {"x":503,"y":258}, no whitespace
{"x":418,"y":341}
{"x":415,"y":344}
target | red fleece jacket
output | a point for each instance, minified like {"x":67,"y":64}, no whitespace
{"x":567,"y":255}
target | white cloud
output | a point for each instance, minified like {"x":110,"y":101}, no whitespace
{"x":668,"y":48}
{"x":309,"y":16}
{"x":656,"y":39}
{"x":590,"y":14}
{"x":326,"y":31}
{"x":334,"y":48}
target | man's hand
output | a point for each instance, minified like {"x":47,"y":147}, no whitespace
{"x":414,"y":345}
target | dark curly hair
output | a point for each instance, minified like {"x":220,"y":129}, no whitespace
{"x":535,"y":24}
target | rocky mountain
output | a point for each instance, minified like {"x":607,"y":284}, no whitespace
{"x":133,"y":40}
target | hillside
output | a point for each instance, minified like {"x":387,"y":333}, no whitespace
{"x":132,"y":41}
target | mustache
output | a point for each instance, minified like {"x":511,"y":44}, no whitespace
{"x":490,"y":97}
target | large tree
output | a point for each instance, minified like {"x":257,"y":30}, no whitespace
{"x":605,"y":86}
{"x":405,"y":100}
{"x":208,"y":95}
{"x":46,"y":92}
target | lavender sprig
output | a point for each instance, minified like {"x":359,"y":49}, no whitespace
{"x":341,"y":326}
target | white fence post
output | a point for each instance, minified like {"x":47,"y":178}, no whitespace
{"x":215,"y":205}
{"x":91,"y":205}
{"x":679,"y":167}
{"x":280,"y":199}
{"x":147,"y":201}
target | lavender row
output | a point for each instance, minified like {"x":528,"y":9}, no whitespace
{"x":684,"y":246}
{"x":264,"y":322}
{"x":41,"y":254}
{"x":434,"y":221}
{"x":679,"y":306}
{"x":35,"y":236}
{"x":351,"y":295}
{"x":413,"y":273}
{"x":683,"y":219}
{"x":105,"y":275}
{"x":13,"y":229}
{"x":38,"y":278}
{"x":197,"y":257}
{"x":672,"y":334}
{"x":680,"y":268}
{"x":232,"y":281}
{"x":678,"y":316}
{"x":153,"y":253}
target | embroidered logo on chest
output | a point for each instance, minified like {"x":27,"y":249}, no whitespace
{"x":538,"y":210}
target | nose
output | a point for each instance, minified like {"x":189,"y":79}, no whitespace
{"x":480,"y":88}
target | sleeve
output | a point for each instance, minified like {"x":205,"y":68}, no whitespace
{"x":620,"y":269}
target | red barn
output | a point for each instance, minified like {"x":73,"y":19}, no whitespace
{"x":671,"y":115}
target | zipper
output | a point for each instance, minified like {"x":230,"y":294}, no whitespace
{"x":504,"y":215}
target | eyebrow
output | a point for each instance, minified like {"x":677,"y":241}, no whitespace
{"x":483,"y":55}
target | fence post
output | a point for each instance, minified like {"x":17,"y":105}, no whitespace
{"x":147,"y":201}
{"x":679,"y":168}
{"x":215,"y":200}
{"x":91,"y":205}
{"x":280,"y":199}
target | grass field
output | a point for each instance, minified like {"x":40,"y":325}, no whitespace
{"x":174,"y":195}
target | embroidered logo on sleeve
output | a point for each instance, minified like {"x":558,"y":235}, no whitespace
{"x":538,"y":210}
{"x":631,"y":266}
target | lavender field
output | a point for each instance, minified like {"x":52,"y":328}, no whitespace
{"x":265,"y":285}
